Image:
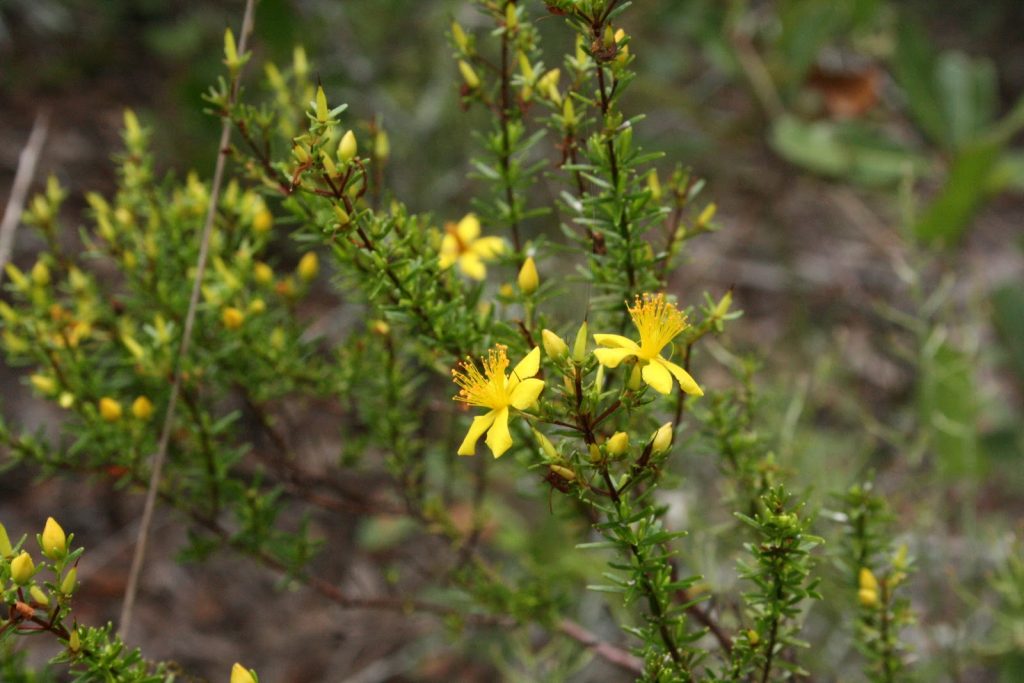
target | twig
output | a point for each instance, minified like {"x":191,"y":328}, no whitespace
{"x":132,"y":587}
{"x":27,"y":161}
{"x":606,"y":651}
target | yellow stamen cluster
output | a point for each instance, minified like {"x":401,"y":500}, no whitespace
{"x":484,"y":389}
{"x":658,"y":321}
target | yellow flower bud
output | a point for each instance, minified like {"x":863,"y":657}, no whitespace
{"x":329,"y":166}
{"x":66,"y":399}
{"x":579,"y":348}
{"x":263,"y":273}
{"x":22,"y":568}
{"x":706,"y":215}
{"x":43,"y":384}
{"x":662,"y":439}
{"x":546,"y":446}
{"x":723,"y":305}
{"x":110,"y":409}
{"x":867,"y":597}
{"x":299,"y":64}
{"x":17,"y":277}
{"x":239,"y":674}
{"x":5,"y":542}
{"x":348,"y":147}
{"x":506,"y":290}
{"x":230,"y":51}
{"x":38,"y":596}
{"x":866,"y":579}
{"x":636,"y":379}
{"x":554,"y":346}
{"x":381,"y":145}
{"x":309,"y":266}
{"x":459,"y":37}
{"x":752,"y":636}
{"x":618,"y":443}
{"x":511,"y":19}
{"x":469,"y":75}
{"x":278,"y":338}
{"x":142,"y":408}
{"x":563,"y":472}
{"x":528,"y":278}
{"x":54,"y":541}
{"x":599,"y":379}
{"x":380,"y":327}
{"x":568,"y":113}
{"x":40,"y":274}
{"x":263,"y":220}
{"x":70,"y":582}
{"x":74,"y":642}
{"x":342,"y":215}
{"x":654,"y":185}
{"x":322,"y":110}
{"x":232,"y":318}
{"x":257,"y":306}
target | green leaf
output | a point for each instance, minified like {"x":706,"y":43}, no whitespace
{"x":1008,"y":316}
{"x":967,"y":186}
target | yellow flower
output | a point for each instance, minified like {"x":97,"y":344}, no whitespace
{"x":110,"y":409}
{"x":309,"y":266}
{"x":494,"y":390}
{"x":22,"y":569}
{"x":462,"y":244}
{"x":659,"y":322}
{"x":232,"y":318}
{"x":142,"y":408}
{"x":239,"y":674}
{"x":54,"y":540}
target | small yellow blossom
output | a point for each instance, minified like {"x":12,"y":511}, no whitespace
{"x":659,"y":322}
{"x":232,"y":318}
{"x":142,"y":408}
{"x":463,"y":245}
{"x":22,"y":568}
{"x":497,"y":391}
{"x":309,"y":266}
{"x":54,"y":542}
{"x":239,"y":674}
{"x":110,"y":409}
{"x":528,"y":279}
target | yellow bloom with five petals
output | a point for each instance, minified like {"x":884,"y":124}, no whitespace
{"x":659,"y":322}
{"x":462,"y":244}
{"x":499,"y":392}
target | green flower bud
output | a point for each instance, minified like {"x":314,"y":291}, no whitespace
{"x":579,"y":348}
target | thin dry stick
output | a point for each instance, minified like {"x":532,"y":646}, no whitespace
{"x":27,"y":161}
{"x":165,"y":435}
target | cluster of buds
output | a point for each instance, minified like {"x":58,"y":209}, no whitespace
{"x":28,"y":600}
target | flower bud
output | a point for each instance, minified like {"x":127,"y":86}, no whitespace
{"x":22,"y":568}
{"x":723,"y":305}
{"x":299,"y":63}
{"x":563,"y":472}
{"x":40,"y":274}
{"x":38,"y":596}
{"x":74,"y":642}
{"x":469,"y":75}
{"x":579,"y":347}
{"x":5,"y":542}
{"x":636,"y":379}
{"x":257,"y":306}
{"x":44,"y":384}
{"x":54,"y":541}
{"x":66,"y":399}
{"x":706,"y":215}
{"x":263,"y":273}
{"x":342,"y":215}
{"x":554,"y":346}
{"x":528,"y":278}
{"x":599,"y":379}
{"x":654,"y":185}
{"x":568,"y":113}
{"x":70,"y":582}
{"x":309,"y":266}
{"x":867,"y":597}
{"x":752,"y":636}
{"x":595,"y":452}
{"x":263,"y":220}
{"x":239,"y":674}
{"x":459,"y":37}
{"x":329,"y":166}
{"x":348,"y":147}
{"x":618,"y":443}
{"x":381,"y":145}
{"x":232,"y":318}
{"x":142,"y":408}
{"x":322,"y":110}
{"x":511,"y":19}
{"x":866,"y":580}
{"x":110,"y":409}
{"x":662,"y":439}
{"x":546,"y":446}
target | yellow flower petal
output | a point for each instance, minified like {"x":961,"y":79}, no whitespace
{"x":487,"y":247}
{"x":480,"y":425}
{"x":525,"y":395}
{"x":528,"y":366}
{"x":615,"y":341}
{"x":499,"y":439}
{"x":471,"y":265}
{"x":468,"y":228}
{"x":658,"y":377}
{"x":610,"y":358}
{"x":686,"y":382}
{"x":449,"y":251}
